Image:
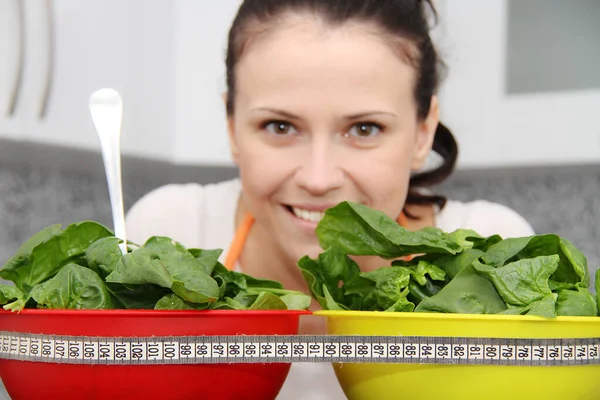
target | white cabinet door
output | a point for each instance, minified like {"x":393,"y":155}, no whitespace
{"x":12,"y":40}
{"x":88,"y":45}
{"x":488,"y":47}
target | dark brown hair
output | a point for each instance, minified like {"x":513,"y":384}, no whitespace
{"x":407,"y":20}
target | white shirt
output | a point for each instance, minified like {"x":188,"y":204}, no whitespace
{"x":203,"y":216}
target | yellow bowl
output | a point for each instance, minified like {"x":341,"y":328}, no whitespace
{"x":362,"y":381}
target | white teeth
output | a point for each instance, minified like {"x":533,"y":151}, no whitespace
{"x":307,"y":215}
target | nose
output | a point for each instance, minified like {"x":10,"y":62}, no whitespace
{"x":320,"y":172}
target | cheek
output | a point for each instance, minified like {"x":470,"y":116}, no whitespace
{"x":383,"y":177}
{"x":263,"y":171}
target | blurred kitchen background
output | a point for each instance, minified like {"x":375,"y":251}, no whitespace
{"x":522,"y":97}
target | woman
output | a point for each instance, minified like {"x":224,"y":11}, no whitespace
{"x":327,"y":101}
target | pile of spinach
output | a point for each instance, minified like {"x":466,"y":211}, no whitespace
{"x":457,"y":272}
{"x":82,"y":267}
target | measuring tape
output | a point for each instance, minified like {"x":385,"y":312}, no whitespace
{"x":297,"y":349}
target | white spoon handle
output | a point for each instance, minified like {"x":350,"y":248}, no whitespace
{"x":106,"y":108}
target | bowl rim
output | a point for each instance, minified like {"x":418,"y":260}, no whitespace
{"x":139,"y":313}
{"x":454,"y":316}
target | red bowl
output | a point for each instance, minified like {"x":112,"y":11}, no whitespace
{"x":44,"y":380}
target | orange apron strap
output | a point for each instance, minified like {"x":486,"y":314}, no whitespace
{"x":241,"y":235}
{"x":239,"y":240}
{"x":401,"y":219}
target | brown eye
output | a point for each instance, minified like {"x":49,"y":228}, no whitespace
{"x":364,"y":130}
{"x":280,"y":128}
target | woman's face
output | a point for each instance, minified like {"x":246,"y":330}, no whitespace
{"x":322,"y":116}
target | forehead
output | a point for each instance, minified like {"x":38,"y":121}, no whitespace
{"x":300,"y":55}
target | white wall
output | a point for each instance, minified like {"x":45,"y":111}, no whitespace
{"x":200,"y":41}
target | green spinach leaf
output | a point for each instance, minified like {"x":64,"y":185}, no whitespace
{"x":208,"y":258}
{"x":103,"y":254}
{"x":12,"y":298}
{"x":356,"y":229}
{"x":296,"y":301}
{"x":521,"y":282}
{"x":173,"y":253}
{"x":326,"y":273}
{"x":174,"y":302}
{"x":418,"y":292}
{"x":53,"y":251}
{"x":572,"y":266}
{"x":136,"y":297}
{"x":268,"y":301}
{"x":147,"y":266}
{"x":73,"y":286}
{"x":556,"y":286}
{"x":195,"y":286}
{"x":468,"y":293}
{"x":452,"y":265}
{"x":9,"y":293}
{"x":402,"y":304}
{"x":329,"y":302}
{"x":242,"y":291}
{"x":424,"y":268}
{"x":15,"y":269}
{"x":545,"y":307}
{"x":466,"y":238}
{"x":578,"y":302}
{"x":141,"y":266}
{"x":252,"y":282}
{"x":391,"y":286}
{"x":231,"y":282}
{"x":577,"y":263}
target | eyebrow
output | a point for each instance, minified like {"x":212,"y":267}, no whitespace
{"x":360,"y":115}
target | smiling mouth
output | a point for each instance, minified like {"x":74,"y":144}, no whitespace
{"x":306,"y":215}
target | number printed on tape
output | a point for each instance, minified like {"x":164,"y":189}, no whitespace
{"x":379,"y":350}
{"x":75,"y":349}
{"x":427,"y":351}
{"x":267,"y":350}
{"x":299,"y":349}
{"x":60,"y":349}
{"x":475,"y":352}
{"x":218,"y":350}
{"x":363,"y":350}
{"x":315,"y":350}
{"x":523,"y":353}
{"x":24,"y":346}
{"x":347,"y":350}
{"x":252,"y":350}
{"x":539,"y":353}
{"x":106,"y":351}
{"x":203,"y":351}
{"x":442,"y":351}
{"x":137,"y":351}
{"x":171,"y":350}
{"x":594,"y":352}
{"x":35,"y":347}
{"x":90,"y":350}
{"x":283,"y":350}
{"x":186,"y":351}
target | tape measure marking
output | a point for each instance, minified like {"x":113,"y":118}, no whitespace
{"x":297,"y":349}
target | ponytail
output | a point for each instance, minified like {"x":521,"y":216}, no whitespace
{"x":446,"y":147}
